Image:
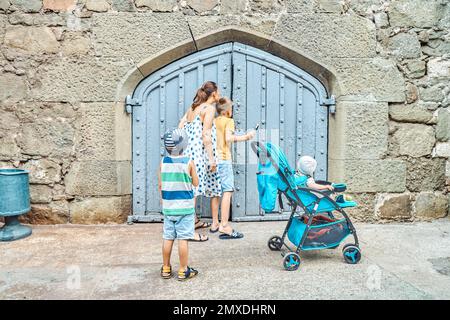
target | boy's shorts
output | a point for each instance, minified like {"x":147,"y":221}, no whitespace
{"x":179,"y":227}
{"x":225,"y":170}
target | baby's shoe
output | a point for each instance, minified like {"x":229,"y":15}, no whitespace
{"x":187,"y":274}
{"x":166,"y":272}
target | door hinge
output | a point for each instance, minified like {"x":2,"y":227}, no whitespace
{"x":331,"y":104}
{"x":130,"y":103}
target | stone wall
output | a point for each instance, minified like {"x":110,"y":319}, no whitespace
{"x":66,"y":64}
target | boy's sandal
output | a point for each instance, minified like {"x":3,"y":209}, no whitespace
{"x":214,"y":231}
{"x":187,"y":274}
{"x":166,"y":272}
{"x":202,"y":224}
{"x":201,"y":238}
{"x":233,"y":235}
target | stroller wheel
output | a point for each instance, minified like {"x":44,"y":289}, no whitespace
{"x":351,"y":253}
{"x":291,"y":261}
{"x":275,"y":243}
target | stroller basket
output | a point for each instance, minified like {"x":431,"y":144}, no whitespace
{"x":322,"y":234}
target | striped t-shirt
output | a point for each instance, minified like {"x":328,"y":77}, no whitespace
{"x":176,"y":186}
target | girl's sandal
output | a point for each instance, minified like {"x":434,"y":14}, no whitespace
{"x":166,"y":272}
{"x":187,"y":274}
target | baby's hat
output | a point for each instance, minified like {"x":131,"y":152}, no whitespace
{"x":176,"y":141}
{"x":307,"y":165}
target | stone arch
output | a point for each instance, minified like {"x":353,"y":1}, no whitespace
{"x":255,"y":39}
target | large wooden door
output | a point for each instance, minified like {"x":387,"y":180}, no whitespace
{"x":286,"y":101}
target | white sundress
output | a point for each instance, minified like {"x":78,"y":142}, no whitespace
{"x":208,"y":182}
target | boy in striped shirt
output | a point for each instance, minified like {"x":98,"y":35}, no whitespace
{"x":177,"y":177}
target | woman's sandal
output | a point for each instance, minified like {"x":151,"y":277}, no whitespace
{"x":202,"y":224}
{"x":188,"y":274}
{"x":166,"y":272}
{"x":233,"y":235}
{"x":201,"y":238}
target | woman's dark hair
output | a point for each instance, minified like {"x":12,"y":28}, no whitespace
{"x":205,"y":91}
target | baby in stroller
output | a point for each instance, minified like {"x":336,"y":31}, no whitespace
{"x":306,"y":166}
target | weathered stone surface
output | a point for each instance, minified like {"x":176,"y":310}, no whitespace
{"x":437,"y":47}
{"x":431,"y":205}
{"x":439,"y":68}
{"x":394,"y":206}
{"x":9,"y":127}
{"x":95,"y":132}
{"x":47,"y":130}
{"x":415,"y":140}
{"x":202,"y":5}
{"x":442,"y":150}
{"x":415,"y":13}
{"x":369,"y":175}
{"x":43,"y":171}
{"x":381,"y":20}
{"x":27,"y":5}
{"x":412,"y":94}
{"x":405,"y":45}
{"x":97,"y":5}
{"x":40,"y":193}
{"x":432,"y":93}
{"x":4,"y":5}
{"x":57,"y":212}
{"x":125,"y":34}
{"x":59,"y":5}
{"x":443,"y":125}
{"x":299,"y":6}
{"x":86,"y":178}
{"x":100,"y":210}
{"x":33,"y":40}
{"x":20,"y":18}
{"x":365,"y":211}
{"x":75,"y":44}
{"x":157,"y":5}
{"x":416,"y":112}
{"x":266,"y":6}
{"x":375,"y":79}
{"x":416,"y":68}
{"x":80,"y":79}
{"x":333,"y":6}
{"x":425,"y":174}
{"x":325,"y":35}
{"x":123,"y":5}
{"x":13,"y":88}
{"x":359,"y":130}
{"x":233,"y":6}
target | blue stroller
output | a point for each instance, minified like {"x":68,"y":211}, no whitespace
{"x":315,"y":226}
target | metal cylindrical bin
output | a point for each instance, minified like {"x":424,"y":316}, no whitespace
{"x":14,"y":201}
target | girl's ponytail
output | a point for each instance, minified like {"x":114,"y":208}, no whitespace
{"x":203,"y":94}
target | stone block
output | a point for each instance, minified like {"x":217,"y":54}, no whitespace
{"x":27,"y":5}
{"x":157,"y":5}
{"x":299,"y":6}
{"x":4,"y":5}
{"x":369,"y":175}
{"x":437,"y":47}
{"x":97,"y":5}
{"x":326,"y":35}
{"x":123,"y":5}
{"x":14,"y":88}
{"x":414,"y":140}
{"x":443,"y":125}
{"x":359,"y":130}
{"x":202,"y":5}
{"x":32,"y":40}
{"x":43,"y":171}
{"x":415,"y":13}
{"x":375,"y":79}
{"x":126,"y":34}
{"x":438,"y":68}
{"x":59,"y":5}
{"x":431,"y":205}
{"x":416,"y":69}
{"x":365,"y":211}
{"x":100,"y":210}
{"x":394,"y":206}
{"x":433,"y":93}
{"x":425,"y":174}
{"x":405,"y":45}
{"x":56,"y":212}
{"x":98,"y":178}
{"x":40,"y":193}
{"x":75,"y":44}
{"x":94,"y":136}
{"x":266,"y":6}
{"x":416,"y":113}
{"x":233,"y":6}
{"x":442,"y":150}
{"x":80,"y":79}
{"x":9,"y":129}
